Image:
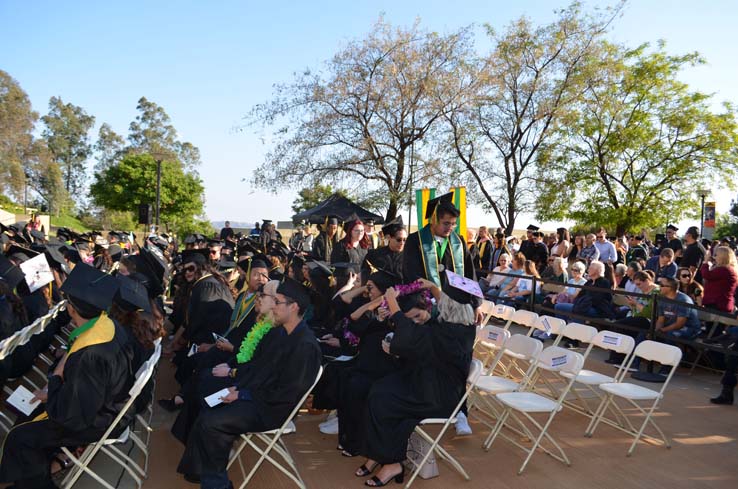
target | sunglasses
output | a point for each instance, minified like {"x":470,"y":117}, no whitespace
{"x":190,"y":269}
{"x":401,"y":240}
{"x":684,"y":276}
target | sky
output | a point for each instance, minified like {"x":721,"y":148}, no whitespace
{"x":208,"y":63}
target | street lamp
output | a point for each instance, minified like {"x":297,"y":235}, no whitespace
{"x":159,"y":157}
{"x":703,"y":192}
{"x":414,"y":133}
{"x":25,"y":192}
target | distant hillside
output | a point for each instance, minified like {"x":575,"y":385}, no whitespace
{"x":234,"y":224}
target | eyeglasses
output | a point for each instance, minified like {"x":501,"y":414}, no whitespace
{"x":279,"y":303}
{"x":190,"y":269}
{"x":600,"y":237}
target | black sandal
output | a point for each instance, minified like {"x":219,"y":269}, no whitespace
{"x":363,"y":471}
{"x":348,"y":454}
{"x":377,"y":482}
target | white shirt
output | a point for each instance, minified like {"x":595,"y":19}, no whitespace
{"x":607,"y":251}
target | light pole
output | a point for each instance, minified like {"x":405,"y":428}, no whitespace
{"x":159,"y":157}
{"x":414,"y":133}
{"x":25,"y":193}
{"x":703,"y":192}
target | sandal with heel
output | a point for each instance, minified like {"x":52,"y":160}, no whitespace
{"x":377,"y":482}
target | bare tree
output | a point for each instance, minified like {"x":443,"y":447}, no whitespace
{"x":356,"y":120}
{"x":525,"y":87}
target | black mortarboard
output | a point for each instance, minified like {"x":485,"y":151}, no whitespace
{"x":331,"y":220}
{"x":190,"y":239}
{"x":199,"y":238}
{"x":82,"y":245}
{"x":116,"y":252}
{"x":532,"y":227}
{"x":278,"y":249}
{"x":199,"y":256}
{"x":384,"y":279}
{"x":320,"y":266}
{"x":351,"y":219}
{"x":131,"y":295}
{"x":672,"y":227}
{"x":156,"y":262}
{"x":55,"y":257}
{"x":159,"y":242}
{"x":393,"y":226}
{"x":89,"y":290}
{"x":295,"y":291}
{"x":37,"y":234}
{"x":20,"y":253}
{"x":215,"y":242}
{"x":369,"y":221}
{"x":433,"y":204}
{"x":345,"y":267}
{"x":12,"y":274}
{"x":226,"y":262}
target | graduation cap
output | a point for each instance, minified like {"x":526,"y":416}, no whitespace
{"x":159,"y":242}
{"x":191,"y":239}
{"x":199,"y":256}
{"x":37,"y":234}
{"x":226,"y":262}
{"x":131,"y":295}
{"x":369,"y":221}
{"x":444,"y":202}
{"x":393,"y":226}
{"x":532,"y":227}
{"x":157,"y":263}
{"x":55,"y":257}
{"x":294,"y":291}
{"x":20,"y":253}
{"x":278,"y":249}
{"x":116,"y":252}
{"x":199,"y":238}
{"x":214,"y":242}
{"x":351,"y":220}
{"x":343,"y":268}
{"x":248,"y":247}
{"x":320,"y":266}
{"x":11,"y":273}
{"x":89,"y":290}
{"x":82,"y":245}
{"x":384,"y":279}
{"x":672,"y":227}
{"x":331,"y":219}
{"x":265,"y":222}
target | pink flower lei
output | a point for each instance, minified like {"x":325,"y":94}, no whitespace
{"x":412,"y":288}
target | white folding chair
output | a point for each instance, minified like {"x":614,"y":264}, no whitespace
{"x":273,"y":441}
{"x":521,"y":348}
{"x":489,"y":340}
{"x":487,"y":308}
{"x":550,"y":325}
{"x":523,"y":318}
{"x":503,"y":313}
{"x":648,"y":350}
{"x":553,"y":359}
{"x":475,"y":370}
{"x":106,"y":444}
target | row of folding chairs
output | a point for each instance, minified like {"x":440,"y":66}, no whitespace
{"x":34,"y":378}
{"x":521,"y":379}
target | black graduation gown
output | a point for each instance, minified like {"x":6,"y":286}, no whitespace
{"x":527,"y":248}
{"x":383,"y":258}
{"x":540,"y":255}
{"x":437,"y":356}
{"x":282,"y":370}
{"x":209,"y":310}
{"x":323,"y":247}
{"x":413,"y":269}
{"x":341,"y":254}
{"x":370,"y":365}
{"x":97,"y":376}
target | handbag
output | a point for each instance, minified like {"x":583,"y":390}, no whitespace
{"x":417,"y":447}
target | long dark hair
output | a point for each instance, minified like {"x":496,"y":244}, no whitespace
{"x":346,"y":241}
{"x":19,"y":310}
{"x":144,"y":326}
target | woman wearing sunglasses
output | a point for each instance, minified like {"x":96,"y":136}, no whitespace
{"x":689,"y":286}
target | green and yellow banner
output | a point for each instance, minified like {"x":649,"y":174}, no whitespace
{"x":422,"y":197}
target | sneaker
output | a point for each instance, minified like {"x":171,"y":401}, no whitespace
{"x":290,"y":428}
{"x":462,"y":425}
{"x":332,"y":415}
{"x":329,"y":427}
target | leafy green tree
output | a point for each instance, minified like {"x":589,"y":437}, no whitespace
{"x":152,"y":132}
{"x":727,"y":224}
{"x":109,"y":147}
{"x":357,"y":120}
{"x":46,"y":180}
{"x":17,"y":120}
{"x":123,"y":186}
{"x":67,"y":137}
{"x":637,"y":146}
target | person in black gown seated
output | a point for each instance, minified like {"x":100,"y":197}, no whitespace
{"x":262,"y":398}
{"x":437,"y":355}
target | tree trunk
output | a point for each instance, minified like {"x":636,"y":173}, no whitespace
{"x":391,"y":210}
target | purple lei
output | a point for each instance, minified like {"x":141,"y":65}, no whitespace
{"x":352,"y":339}
{"x":412,"y":288}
